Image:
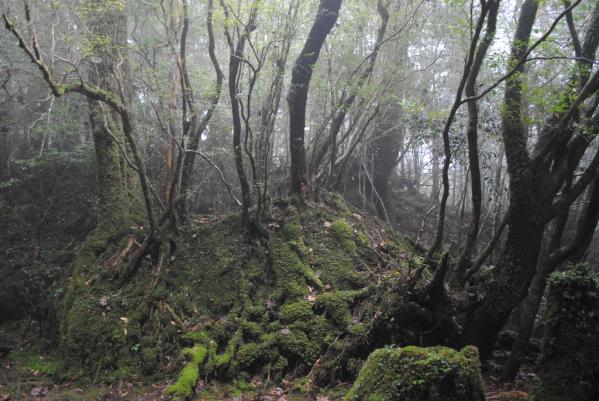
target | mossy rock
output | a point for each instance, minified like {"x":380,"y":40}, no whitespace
{"x":418,"y":374}
{"x":569,"y":366}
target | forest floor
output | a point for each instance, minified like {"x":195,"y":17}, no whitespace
{"x":29,"y":372}
{"x":25,"y":375}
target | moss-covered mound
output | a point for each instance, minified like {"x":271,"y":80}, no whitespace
{"x":269,"y":307}
{"x":569,"y":365}
{"x":417,"y":374}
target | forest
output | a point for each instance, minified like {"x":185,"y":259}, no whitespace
{"x":285,"y":200}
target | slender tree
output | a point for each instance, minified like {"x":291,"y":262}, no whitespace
{"x":326,"y":16}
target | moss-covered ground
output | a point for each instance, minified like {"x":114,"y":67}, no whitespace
{"x":300,"y":308}
{"x":214,"y":305}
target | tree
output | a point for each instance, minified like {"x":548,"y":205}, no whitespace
{"x":109,"y":101}
{"x":326,"y":16}
{"x":542,"y":184}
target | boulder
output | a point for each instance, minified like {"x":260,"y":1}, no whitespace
{"x":417,"y":374}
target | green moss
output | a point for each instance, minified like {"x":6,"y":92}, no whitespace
{"x":343,"y":233}
{"x":415,"y":374}
{"x":253,"y":302}
{"x":336,"y":202}
{"x":293,"y":276}
{"x":251,"y":330}
{"x":292,"y":231}
{"x":357,"y":329}
{"x":301,"y":310}
{"x":249,"y":355}
{"x":297,"y":344}
{"x":197,"y":353}
{"x":196,"y":337}
{"x":569,"y":364}
{"x":363,"y":238}
{"x":185,"y":383}
{"x":336,"y":305}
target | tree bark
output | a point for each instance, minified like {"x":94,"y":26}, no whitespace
{"x":236,"y":56}
{"x":116,"y":188}
{"x":465,"y":257}
{"x":327,"y":14}
{"x":534,"y":186}
{"x":585,"y":228}
{"x":517,"y":263}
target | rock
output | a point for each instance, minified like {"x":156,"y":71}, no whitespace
{"x":414,"y":374}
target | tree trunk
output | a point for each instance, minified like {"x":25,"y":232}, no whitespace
{"x":518,"y":260}
{"x":384,"y":150}
{"x":117,"y":186}
{"x":472,"y":134}
{"x":297,"y":98}
{"x":585,"y":228}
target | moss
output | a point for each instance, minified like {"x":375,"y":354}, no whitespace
{"x":357,"y":329}
{"x":185,"y":383}
{"x":363,"y":238}
{"x":297,"y":344}
{"x":343,"y":233}
{"x":336,"y":305}
{"x":569,"y":364}
{"x":196,"y":337}
{"x":301,"y":310}
{"x":250,"y":355}
{"x":251,"y":330}
{"x":253,"y":302}
{"x":197,"y":353}
{"x":415,"y":374}
{"x":336,"y":202}
{"x":293,"y":276}
{"x":292,"y":231}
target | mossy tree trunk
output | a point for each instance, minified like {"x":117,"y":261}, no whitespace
{"x":118,"y":184}
{"x":543,"y":183}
